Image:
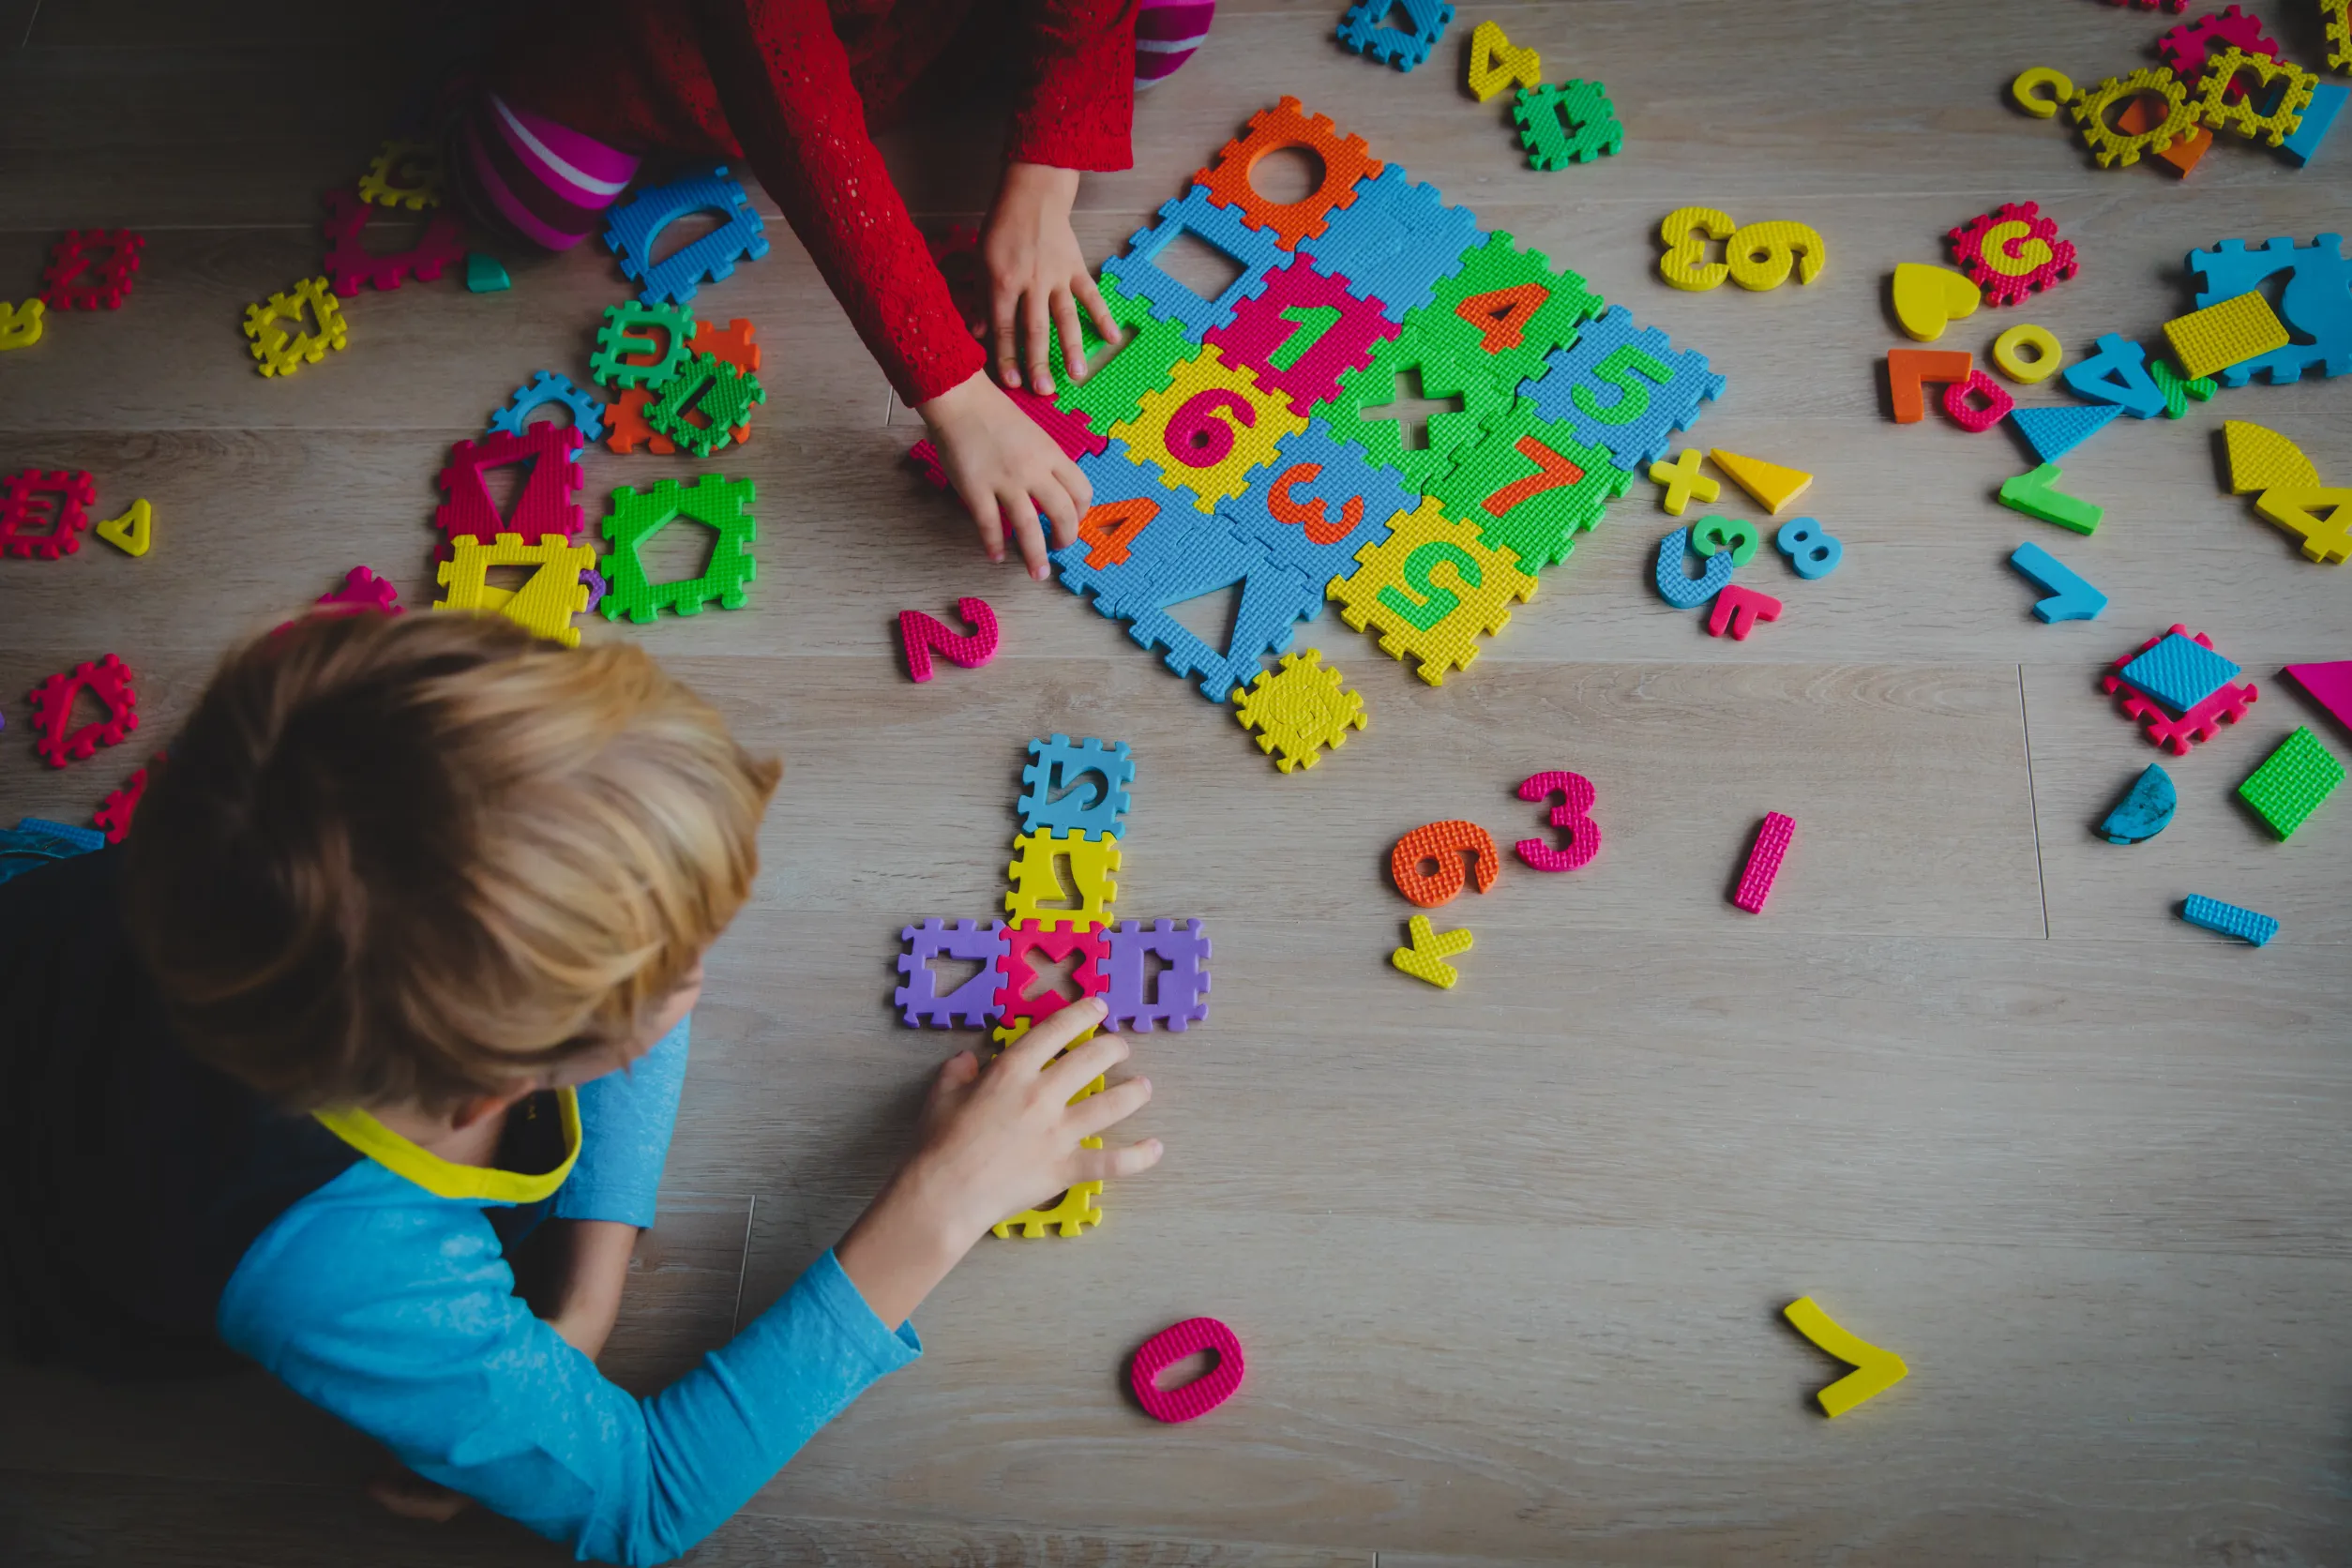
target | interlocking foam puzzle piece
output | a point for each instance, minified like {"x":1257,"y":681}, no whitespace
{"x":2037,"y":495}
{"x":2177,"y":391}
{"x":1929,"y":298}
{"x":2013,"y":250}
{"x":21,"y":325}
{"x":1298,"y":710}
{"x":2025,"y":91}
{"x":2337,"y":14}
{"x":924,"y":635}
{"x":1683,"y":482}
{"x":1772,"y":486}
{"x":2178,"y":673}
{"x":2285,"y":85}
{"x":549,"y":503}
{"x":403,"y":174}
{"x":2316,"y":302}
{"x":1684,"y":233}
{"x":2052,"y":433}
{"x":109,"y":681}
{"x":1737,"y":610}
{"x":635,"y":222}
{"x":2049,"y":354}
{"x":1256,"y":251}
{"x":542,"y":389}
{"x":1395,"y":243}
{"x":2117,"y":373}
{"x":1146,"y":355}
{"x":2071,"y":597}
{"x":1068,"y":1216}
{"x":1875,"y":1371}
{"x":1180,"y":997}
{"x":1273,"y":601}
{"x":360,"y":590}
{"x":2113,"y":145}
{"x":1139,"y":533}
{"x":2201,"y":723}
{"x":1319,"y":502}
{"x":1056,"y":943}
{"x":1675,"y":585}
{"x":1529,"y":486}
{"x":2228,"y":919}
{"x":627,"y":431}
{"x":1060,"y":763}
{"x":1735,"y":535}
{"x":33,"y":843}
{"x":1354,"y":415}
{"x":2330,"y":686}
{"x":279,"y":353}
{"x":1039,"y":881}
{"x":1171,"y":1344}
{"x":91,"y":269}
{"x":1300,"y":334}
{"x":1506,"y":310}
{"x":2292,"y":782}
{"x":485,"y":274}
{"x":1812,"y":552}
{"x":58,"y":498}
{"x":114,"y":812}
{"x":721,"y":393}
{"x":736,"y":342}
{"x":133,"y":532}
{"x":1395,"y":589}
{"x":715,"y":500}
{"x":350,"y":263}
{"x":2220,"y":336}
{"x":2188,"y":47}
{"x":1772,"y":842}
{"x":1496,"y":63}
{"x":2144,"y":811}
{"x":1345,"y":163}
{"x":1442,"y":845}
{"x":1425,"y":958}
{"x":970,"y":1005}
{"x":1573,"y":816}
{"x":2327,"y":103}
{"x":1572,"y":122}
{"x":1624,"y":387}
{"x":547,"y":601}
{"x":1361,"y":29}
{"x":1209,"y":429}
{"x":1968,"y":416}
{"x":2187,"y":150}
{"x":660,"y":332}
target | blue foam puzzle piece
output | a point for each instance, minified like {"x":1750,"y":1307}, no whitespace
{"x":1256,"y":251}
{"x":548,"y":387}
{"x":2327,"y":102}
{"x":2178,"y":673}
{"x":1812,"y":552}
{"x":1344,"y":477}
{"x":1395,"y":243}
{"x":33,"y":842}
{"x":2315,"y":303}
{"x":632,"y":227}
{"x":1623,"y":387}
{"x":2071,"y":599}
{"x":2117,"y":375}
{"x":2228,"y":919}
{"x":1170,"y":546}
{"x":2052,"y":433}
{"x":1360,"y":29}
{"x":1675,"y":585}
{"x":1059,"y":763}
{"x":1273,"y":601}
{"x":2145,"y":812}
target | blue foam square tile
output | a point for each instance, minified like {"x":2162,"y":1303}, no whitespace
{"x":2178,"y":673}
{"x":1300,"y":508}
{"x":1395,"y":243}
{"x":1256,"y":251}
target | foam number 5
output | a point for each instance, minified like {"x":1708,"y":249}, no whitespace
{"x":1310,"y":515}
{"x":1761,"y":254}
{"x":1436,"y":603}
{"x":1811,"y":548}
{"x":1441,"y":847}
{"x":1685,"y":233}
{"x":1619,"y":368}
{"x":1195,"y":437}
{"x":1572,"y":815}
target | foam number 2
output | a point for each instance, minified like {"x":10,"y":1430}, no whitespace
{"x":1619,"y":368}
{"x":925,"y":635}
{"x":1811,"y":548}
{"x":1572,"y":816}
{"x":1436,"y":603}
{"x":1197,"y":437}
{"x":1441,"y":846}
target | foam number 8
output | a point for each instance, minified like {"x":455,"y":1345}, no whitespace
{"x":1632,"y":398}
{"x":1195,"y":437}
{"x":1441,"y":847}
{"x":1761,"y":254}
{"x":1436,"y":603}
{"x":1736,"y":534}
{"x":1572,"y":815}
{"x":1810,"y":548}
{"x":1686,"y":232}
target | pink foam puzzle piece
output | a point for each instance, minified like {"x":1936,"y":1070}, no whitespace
{"x":2330,"y":686}
{"x":1574,"y":814}
{"x":1737,"y":610}
{"x":1171,"y":1344}
{"x":1771,"y":843}
{"x":925,"y":635}
{"x":2200,"y":724}
{"x":1302,"y":334}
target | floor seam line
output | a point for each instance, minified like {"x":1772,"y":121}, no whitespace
{"x":742,"y":1267}
{"x":2033,"y":804}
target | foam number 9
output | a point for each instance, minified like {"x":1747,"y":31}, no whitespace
{"x":1811,"y":548}
{"x":1736,"y":534}
{"x":1686,"y":233}
{"x":1195,"y":437}
{"x":1436,"y":603}
{"x":1572,"y":816}
{"x":1441,"y":846}
{"x":1632,"y":398}
{"x":1761,"y":254}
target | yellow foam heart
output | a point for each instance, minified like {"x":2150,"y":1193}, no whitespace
{"x":1929,"y":298}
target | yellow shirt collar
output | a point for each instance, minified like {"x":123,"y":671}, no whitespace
{"x":444,"y":1178}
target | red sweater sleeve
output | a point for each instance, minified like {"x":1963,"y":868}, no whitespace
{"x":1079,"y":109}
{"x":783,"y":80}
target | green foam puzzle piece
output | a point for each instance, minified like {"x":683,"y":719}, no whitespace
{"x":1492,"y":273}
{"x":722,"y":392}
{"x":1537,"y":524}
{"x":718,"y":501}
{"x":2037,"y":495}
{"x":484,"y":275}
{"x":1113,"y":393}
{"x":2291,"y":783}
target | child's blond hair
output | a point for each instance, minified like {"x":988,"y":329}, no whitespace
{"x":431,"y":857}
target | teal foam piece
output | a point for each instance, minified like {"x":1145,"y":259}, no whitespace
{"x":2117,"y":375}
{"x":2178,"y":673}
{"x":2145,"y":812}
{"x":484,"y":275}
{"x":2071,"y":599}
{"x":2327,"y":102}
{"x":2228,"y":919}
{"x":2052,"y":433}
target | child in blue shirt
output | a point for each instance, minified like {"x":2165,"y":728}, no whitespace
{"x":396,"y":967}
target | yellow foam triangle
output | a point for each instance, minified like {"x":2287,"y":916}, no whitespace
{"x":1875,"y":1371}
{"x":2261,"y":460}
{"x":1772,"y":486}
{"x":131,"y":533}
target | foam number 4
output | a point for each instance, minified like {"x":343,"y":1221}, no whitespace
{"x":1621,"y":368}
{"x":1811,"y":548}
{"x":1436,"y":603}
{"x":1441,"y":846}
{"x":1110,"y":529}
{"x":1311,"y":515}
{"x":1195,"y":437}
{"x":1573,"y":816}
{"x":1686,"y":233}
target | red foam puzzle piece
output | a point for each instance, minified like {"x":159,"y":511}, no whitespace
{"x":2201,"y":723}
{"x":1737,"y":610}
{"x":924,"y":635}
{"x":1573,"y":814}
{"x":1171,"y":1344}
{"x":349,"y":264}
{"x":1019,"y":975}
{"x":549,"y":503}
{"x":61,"y":498}
{"x":1764,"y":858}
{"x":114,"y":812}
{"x":109,"y":681}
{"x":91,"y":269}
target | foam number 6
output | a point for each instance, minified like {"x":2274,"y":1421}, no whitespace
{"x":1572,"y":815}
{"x":1736,"y":534}
{"x":1195,"y":437}
{"x":1619,"y":368}
{"x":1811,"y":548}
{"x":1761,"y":254}
{"x":1441,"y":846}
{"x":1436,"y":603}
{"x":1686,"y":232}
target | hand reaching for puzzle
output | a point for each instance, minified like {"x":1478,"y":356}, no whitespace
{"x":1038,"y":279}
{"x":1004,"y":467}
{"x":994,"y":1140}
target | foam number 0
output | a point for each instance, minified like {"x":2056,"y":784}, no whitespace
{"x":1310,"y":515}
{"x":1761,"y":254}
{"x":1619,"y":368}
{"x":1436,"y":603}
{"x":1686,"y":232}
{"x":1195,"y":437}
{"x":1441,"y":847}
{"x":1110,"y":529}
{"x":1573,"y":816}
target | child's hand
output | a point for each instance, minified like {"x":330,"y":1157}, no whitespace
{"x":1005,"y":467}
{"x":1037,"y":276}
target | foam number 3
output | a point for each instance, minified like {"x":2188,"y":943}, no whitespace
{"x":1811,"y":548}
{"x":1761,"y":254}
{"x":1435,"y":603}
{"x":1311,"y":515}
{"x":1620,"y":370}
{"x":1572,"y":816}
{"x":1736,"y":534}
{"x":1441,"y":846}
{"x":1686,"y":233}
{"x":1195,"y":437}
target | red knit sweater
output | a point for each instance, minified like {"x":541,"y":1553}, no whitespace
{"x":793,"y":87}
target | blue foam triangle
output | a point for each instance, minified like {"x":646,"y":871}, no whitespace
{"x":2055,"y":431}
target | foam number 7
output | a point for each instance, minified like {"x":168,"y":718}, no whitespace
{"x":1441,"y":847}
{"x":1572,"y":815}
{"x":1619,"y":368}
{"x":1435,"y":603}
{"x":1309,"y":323}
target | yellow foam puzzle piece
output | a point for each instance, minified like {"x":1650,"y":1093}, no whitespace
{"x":2261,"y":460}
{"x":279,"y":353}
{"x":1685,"y":232}
{"x":1875,"y":1371}
{"x":1040,"y":886}
{"x":1929,"y":298}
{"x":1761,"y":254}
{"x":1395,"y":587}
{"x":20,"y":325}
{"x":543,"y":606}
{"x":1300,"y":708}
{"x":2327,"y":536}
{"x":384,"y":185}
{"x":1682,"y":481}
{"x":1425,"y":958}
{"x":1077,"y":1208}
{"x":1497,"y":63}
{"x":2050,"y":354}
{"x":131,"y":533}
{"x":2025,"y":91}
{"x":1223,"y":409}
{"x":2213,"y":339}
{"x":1772,"y":486}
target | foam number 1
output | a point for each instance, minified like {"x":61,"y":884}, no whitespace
{"x":1441,"y":846}
{"x":1572,"y":816}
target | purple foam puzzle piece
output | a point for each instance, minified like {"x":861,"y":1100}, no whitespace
{"x":972,"y":1004}
{"x":1180,"y":999}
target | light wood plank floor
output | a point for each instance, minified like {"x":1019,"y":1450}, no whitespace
{"x":1508,"y":1261}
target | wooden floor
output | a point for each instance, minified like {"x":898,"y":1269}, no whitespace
{"x":1508,"y":1261}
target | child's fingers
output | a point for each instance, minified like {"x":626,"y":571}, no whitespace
{"x":1032,"y":538}
{"x":1051,"y":1034}
{"x":1104,"y":1165}
{"x":1065,"y":322}
{"x":1059,"y":508}
{"x":1008,"y":358}
{"x":1086,"y":1062}
{"x":1081,"y":488}
{"x":1091,"y":297}
{"x":985,"y":517}
{"x":1114,"y":1105}
{"x":1034,"y":320}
